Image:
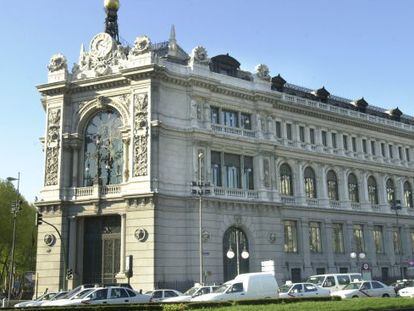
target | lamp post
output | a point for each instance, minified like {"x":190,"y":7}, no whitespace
{"x":357,"y":256}
{"x":15,"y":208}
{"x":198,"y":188}
{"x":230,"y":253}
{"x":396,"y":206}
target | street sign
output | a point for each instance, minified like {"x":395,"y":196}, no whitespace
{"x":268,"y":266}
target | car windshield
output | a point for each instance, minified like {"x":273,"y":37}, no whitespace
{"x":285,"y":288}
{"x":353,"y":286}
{"x":59,"y":296}
{"x":191,"y":291}
{"x":222,"y":288}
{"x":45,"y":296}
{"x":83,"y":294}
{"x":316,"y":280}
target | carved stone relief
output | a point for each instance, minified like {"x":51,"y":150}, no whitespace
{"x":52,"y":148}
{"x":141,"y":128}
{"x":266,"y":172}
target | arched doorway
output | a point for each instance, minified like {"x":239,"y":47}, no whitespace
{"x":235,"y":253}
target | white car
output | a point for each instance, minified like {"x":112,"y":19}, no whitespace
{"x":301,"y":290}
{"x":110,"y":295}
{"x":159,"y":295}
{"x":365,"y":289}
{"x":36,"y":302}
{"x":193,"y":292}
{"x":67,"y":300}
{"x":406,"y":292}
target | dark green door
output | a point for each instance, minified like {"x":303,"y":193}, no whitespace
{"x":102,"y":248}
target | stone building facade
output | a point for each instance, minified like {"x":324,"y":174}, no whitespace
{"x":289,"y":174}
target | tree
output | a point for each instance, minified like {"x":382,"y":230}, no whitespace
{"x":26,"y":233}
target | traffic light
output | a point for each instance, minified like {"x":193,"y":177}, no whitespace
{"x":69,"y":274}
{"x":39,"y":219}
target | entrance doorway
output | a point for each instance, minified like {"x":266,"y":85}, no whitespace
{"x":102,"y":248}
{"x":235,"y":243}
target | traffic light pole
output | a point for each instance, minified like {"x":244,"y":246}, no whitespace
{"x":64,"y":252}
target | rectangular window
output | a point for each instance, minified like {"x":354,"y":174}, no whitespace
{"x":315,"y":243}
{"x":334,"y":144}
{"x":412,"y":239}
{"x":291,"y":237}
{"x":232,"y":170}
{"x":230,"y":118}
{"x":278,"y":129}
{"x":400,"y":153}
{"x":359,"y":238}
{"x":354,"y":145}
{"x":407,"y":154}
{"x":383,"y":150}
{"x":214,"y":115}
{"x":345,"y":139}
{"x":364,"y":146}
{"x":289,"y":131}
{"x":246,"y":121}
{"x":338,"y":238}
{"x":378,"y":240}
{"x":373,"y":151}
{"x":216,"y":168}
{"x":324,"y":140}
{"x":312,"y":136}
{"x":248,"y":172}
{"x":302,"y":134}
{"x":396,"y":240}
{"x":391,"y":151}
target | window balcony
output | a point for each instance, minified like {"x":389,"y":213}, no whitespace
{"x":334,"y":204}
{"x":235,"y":193}
{"x":312,"y":202}
{"x":356,"y":205}
{"x":93,"y":192}
{"x":286,"y":199}
{"x":218,"y":128}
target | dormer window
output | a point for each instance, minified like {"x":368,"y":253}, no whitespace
{"x":224,"y":64}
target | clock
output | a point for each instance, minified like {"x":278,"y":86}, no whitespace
{"x":102,"y":44}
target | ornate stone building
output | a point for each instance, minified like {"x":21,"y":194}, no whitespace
{"x":288,"y":174}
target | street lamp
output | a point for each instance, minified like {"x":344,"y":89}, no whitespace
{"x":357,"y":256}
{"x":396,"y":206}
{"x":244,"y":254}
{"x":198,"y":188}
{"x":15,"y":208}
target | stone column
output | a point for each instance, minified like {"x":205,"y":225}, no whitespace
{"x":370,"y":245}
{"x":72,"y":251}
{"x":126,"y":141}
{"x":322,"y":186}
{"x":407,"y":248}
{"x":343,"y":188}
{"x":329,"y":246}
{"x":307,"y":266}
{"x":389,"y":244}
{"x":363,"y":189}
{"x":75,"y":164}
{"x":299,"y":183}
{"x":329,"y":141}
{"x":318,"y":139}
{"x":360,"y":152}
{"x":340,"y":143}
{"x":121,"y":274}
{"x":349,"y":244}
{"x":382,"y":194}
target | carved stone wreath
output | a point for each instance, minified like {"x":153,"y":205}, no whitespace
{"x":142,"y":45}
{"x":272,"y":237}
{"x":57,"y":62}
{"x":141,"y":234}
{"x":49,"y":239}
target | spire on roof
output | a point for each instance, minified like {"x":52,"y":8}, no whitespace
{"x":172,"y":43}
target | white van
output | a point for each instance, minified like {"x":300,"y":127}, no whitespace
{"x":334,"y":281}
{"x":258,"y":285}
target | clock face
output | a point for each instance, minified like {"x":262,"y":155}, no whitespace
{"x":102,"y":44}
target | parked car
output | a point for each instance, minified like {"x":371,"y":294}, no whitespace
{"x":259,"y":285}
{"x":406,"y":292}
{"x":334,"y":281}
{"x":159,"y":295}
{"x":110,"y":295}
{"x":365,"y":289}
{"x":193,"y":292}
{"x":65,"y":301}
{"x":400,"y":284}
{"x":37,"y":301}
{"x":300,"y":290}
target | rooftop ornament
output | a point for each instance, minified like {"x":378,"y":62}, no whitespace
{"x":111,"y":21}
{"x":361,"y":104}
{"x":395,"y":114}
{"x":278,"y":83}
{"x":322,"y":94}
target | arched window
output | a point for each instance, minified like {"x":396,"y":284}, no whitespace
{"x":310,"y":183}
{"x":235,"y":253}
{"x":286,"y":180}
{"x":332,"y":183}
{"x":372,"y":190}
{"x":389,"y":188}
{"x":103,"y":153}
{"x":408,"y":195}
{"x":353,"y":188}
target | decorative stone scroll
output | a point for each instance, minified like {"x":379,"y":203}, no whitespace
{"x":52,"y":148}
{"x":141,"y":128}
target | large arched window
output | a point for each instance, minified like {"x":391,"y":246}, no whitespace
{"x":332,"y":183}
{"x":372,"y":190}
{"x":103,"y":155}
{"x":408,"y":195}
{"x":310,"y":183}
{"x":389,"y":188}
{"x":286,"y":180}
{"x":353,"y":188}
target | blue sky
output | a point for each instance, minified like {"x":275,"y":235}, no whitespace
{"x":354,"y":48}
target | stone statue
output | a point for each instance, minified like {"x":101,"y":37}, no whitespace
{"x":57,"y":62}
{"x":263,"y":72}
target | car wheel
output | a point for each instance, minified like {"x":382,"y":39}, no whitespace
{"x":355,"y":296}
{"x":385,"y":295}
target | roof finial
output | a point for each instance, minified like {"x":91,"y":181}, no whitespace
{"x":111,"y":21}
{"x":172,"y":43}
